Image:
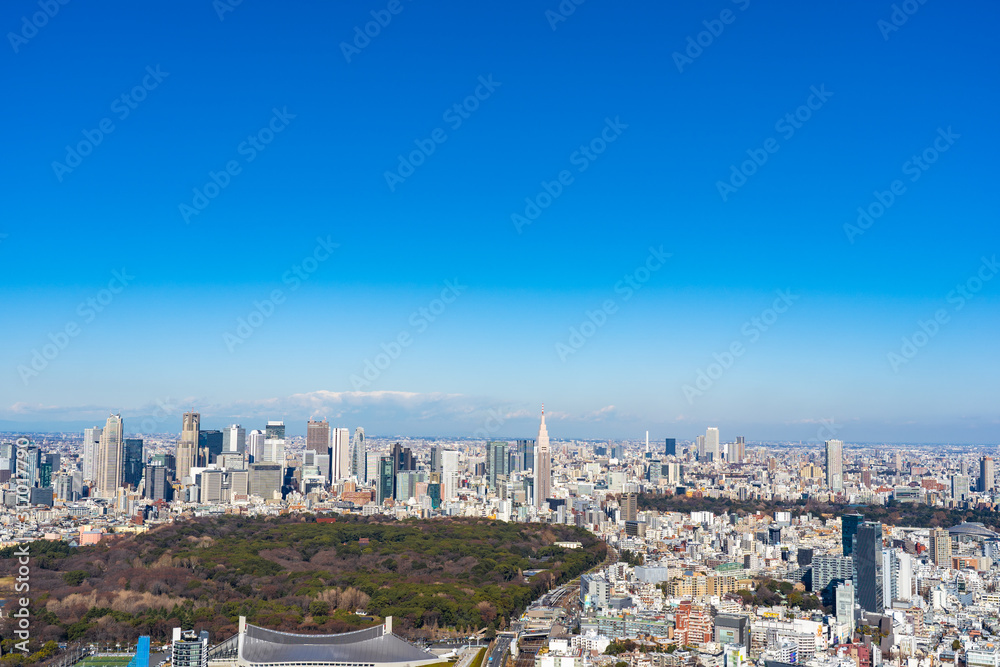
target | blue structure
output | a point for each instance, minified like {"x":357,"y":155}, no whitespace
{"x":141,"y":658}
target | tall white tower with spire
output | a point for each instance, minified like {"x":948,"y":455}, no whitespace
{"x":543,"y":464}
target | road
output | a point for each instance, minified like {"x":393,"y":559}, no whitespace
{"x":496,"y":657}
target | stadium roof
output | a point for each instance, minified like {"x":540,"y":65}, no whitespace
{"x":372,"y":647}
{"x":972,"y":529}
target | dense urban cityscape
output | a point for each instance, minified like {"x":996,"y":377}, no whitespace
{"x":718,"y":552}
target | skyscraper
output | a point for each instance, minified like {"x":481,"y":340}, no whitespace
{"x":543,"y":464}
{"x":712,"y":443}
{"x":234,"y":439}
{"x":449,"y":475}
{"x":359,"y":456}
{"x":402,"y":457}
{"x":959,"y":488}
{"x":255,"y":445}
{"x":630,"y":508}
{"x":671,"y":448}
{"x":187,"y":448}
{"x":157,"y":484}
{"x":849,"y":524}
{"x":737,"y":450}
{"x":340,"y":456}
{"x":868,"y":566}
{"x":109,"y":457}
{"x":386,"y":478}
{"x":318,"y":441}
{"x":274,"y":443}
{"x":845,"y":609}
{"x":986,"y":475}
{"x":526,"y":455}
{"x":91,"y":441}
{"x":209,"y":446}
{"x":497,"y":464}
{"x":133,"y":462}
{"x":318,"y":436}
{"x":835,"y":469}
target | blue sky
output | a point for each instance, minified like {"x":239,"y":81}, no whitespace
{"x":334,"y":128}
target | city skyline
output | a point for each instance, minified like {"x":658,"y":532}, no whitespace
{"x":802,"y":239}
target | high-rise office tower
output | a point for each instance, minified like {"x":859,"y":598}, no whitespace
{"x":157,"y":483}
{"x":737,"y":451}
{"x":699,"y":445}
{"x":543,"y":465}
{"x":340,"y":455}
{"x":386,"y":478}
{"x":868,"y":566}
{"x":526,"y":458}
{"x":255,"y":445}
{"x":402,"y":457}
{"x":940,"y":547}
{"x":210,"y":490}
{"x":133,"y":463}
{"x":91,"y":441}
{"x":671,"y":448}
{"x":210,"y":444}
{"x":835,"y":467}
{"x":110,"y":456}
{"x":497,"y":464}
{"x":630,"y":508}
{"x":187,"y":448}
{"x":849,"y":524}
{"x":318,"y":441}
{"x":435,"y":462}
{"x":32,"y":465}
{"x":712,"y":443}
{"x":449,"y":474}
{"x":274,"y":443}
{"x":234,"y":439}
{"x":986,"y":475}
{"x":959,"y":488}
{"x":359,"y":456}
{"x":318,"y":436}
{"x":265,"y":480}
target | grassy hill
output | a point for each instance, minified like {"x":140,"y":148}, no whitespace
{"x":294,"y":574}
